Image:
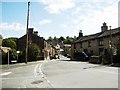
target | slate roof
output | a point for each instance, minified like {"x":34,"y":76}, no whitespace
{"x":107,"y":33}
{"x":98,"y":35}
{"x":87,"y":37}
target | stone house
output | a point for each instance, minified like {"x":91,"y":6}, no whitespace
{"x":67,"y":49}
{"x":32,"y":38}
{"x":49,"y":51}
{"x":95,"y":44}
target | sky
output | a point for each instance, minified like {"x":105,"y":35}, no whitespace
{"x":57,"y":17}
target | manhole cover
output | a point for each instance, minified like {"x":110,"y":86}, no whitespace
{"x":37,"y":82}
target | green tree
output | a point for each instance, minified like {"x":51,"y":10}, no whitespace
{"x":67,"y":37}
{"x":12,"y":44}
{"x":33,"y":52}
{"x":13,"y":54}
{"x":50,"y":39}
{"x":9,"y":43}
{"x":1,"y":36}
{"x":55,"y":38}
{"x":1,"y":40}
{"x":14,"y":39}
{"x":61,"y":38}
{"x":69,"y":40}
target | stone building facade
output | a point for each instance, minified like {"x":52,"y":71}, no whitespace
{"x":46,"y":50}
{"x":32,"y":38}
{"x":51,"y":51}
{"x":67,"y":50}
{"x":95,"y":44}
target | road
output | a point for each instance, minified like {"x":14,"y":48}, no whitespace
{"x":61,"y":73}
{"x":23,"y":76}
{"x":71,"y":74}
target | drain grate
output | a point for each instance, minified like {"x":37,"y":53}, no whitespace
{"x":37,"y":82}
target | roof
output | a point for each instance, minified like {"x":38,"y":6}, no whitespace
{"x":112,"y":31}
{"x":33,"y":36}
{"x":98,"y":35}
{"x":87,"y":37}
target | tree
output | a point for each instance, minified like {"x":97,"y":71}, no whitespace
{"x":9,"y":43}
{"x":55,"y":38}
{"x":33,"y":51}
{"x":69,"y":40}
{"x":50,"y":39}
{"x":67,"y":37}
{"x":1,"y":40}
{"x":14,"y":39}
{"x":61,"y":38}
{"x":13,"y":54}
{"x":12,"y":44}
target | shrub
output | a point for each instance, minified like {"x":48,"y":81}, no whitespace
{"x":33,"y":52}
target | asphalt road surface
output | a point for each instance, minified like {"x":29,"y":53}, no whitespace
{"x":23,"y":76}
{"x":61,"y":73}
{"x":70,"y":74}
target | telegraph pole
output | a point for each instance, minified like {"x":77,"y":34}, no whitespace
{"x":111,"y":54}
{"x":26,"y":57}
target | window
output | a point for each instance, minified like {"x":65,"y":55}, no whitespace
{"x":81,"y":45}
{"x":101,"y":42}
{"x":101,"y":51}
{"x":85,"y":50}
{"x":89,"y":43}
{"x":74,"y":46}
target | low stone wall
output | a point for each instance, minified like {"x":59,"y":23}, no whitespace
{"x":95,"y":59}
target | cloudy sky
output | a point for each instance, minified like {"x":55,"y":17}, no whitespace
{"x":57,"y":17}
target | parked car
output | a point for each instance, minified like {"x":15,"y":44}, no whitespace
{"x":68,"y":56}
{"x":116,"y":58}
{"x":81,"y":56}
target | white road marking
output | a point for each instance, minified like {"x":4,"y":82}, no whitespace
{"x":35,"y":70}
{"x":42,"y":74}
{"x":6,"y":73}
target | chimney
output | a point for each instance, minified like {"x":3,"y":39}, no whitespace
{"x":104,"y":27}
{"x":36,"y":33}
{"x":30,"y":30}
{"x":80,"y":34}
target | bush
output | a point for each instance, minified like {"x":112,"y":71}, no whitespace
{"x":12,"y":54}
{"x":33,"y":52}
